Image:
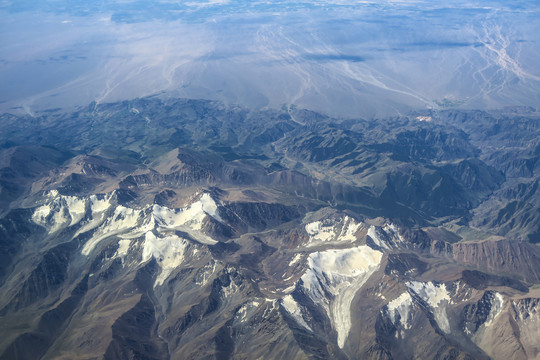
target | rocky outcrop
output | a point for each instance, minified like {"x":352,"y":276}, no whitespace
{"x":504,"y":256}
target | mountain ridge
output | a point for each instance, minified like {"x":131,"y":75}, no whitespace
{"x":209,"y":231}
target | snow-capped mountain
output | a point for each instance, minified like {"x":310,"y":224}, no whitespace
{"x":296,"y":239}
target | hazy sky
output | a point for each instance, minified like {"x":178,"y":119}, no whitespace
{"x":339,"y":57}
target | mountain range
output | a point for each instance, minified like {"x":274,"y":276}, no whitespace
{"x":165,"y":228}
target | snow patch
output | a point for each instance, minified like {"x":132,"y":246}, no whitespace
{"x":229,"y":290}
{"x":293,"y":308}
{"x":437,"y":297}
{"x":128,"y":223}
{"x":206,"y":273}
{"x":376,"y":237}
{"x":61,"y":211}
{"x":123,"y":247}
{"x":385,"y":237}
{"x":76,"y":207}
{"x":153,"y":223}
{"x":168,"y":251}
{"x":341,"y":273}
{"x":313,"y":228}
{"x":295,"y":259}
{"x":54,"y":215}
{"x":496,"y":309}
{"x":269,"y":309}
{"x":41,"y":213}
{"x":209,"y":206}
{"x":342,"y":230}
{"x":122,"y":220}
{"x":247,"y":311}
{"x":401,"y":307}
{"x":433,"y":294}
{"x":289,"y":289}
{"x":59,"y":220}
{"x":98,"y":205}
{"x":191,"y":216}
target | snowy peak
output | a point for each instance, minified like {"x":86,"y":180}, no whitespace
{"x":103,"y":211}
{"x":305,"y":277}
{"x":191,"y":216}
{"x":334,"y":230}
{"x":437,"y":297}
{"x":61,"y":211}
{"x":386,"y":236}
{"x":399,"y":310}
{"x":150,"y":230}
{"x":320,"y":268}
{"x":339,"y":273}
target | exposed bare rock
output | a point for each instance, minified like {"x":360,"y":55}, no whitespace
{"x":503,"y":256}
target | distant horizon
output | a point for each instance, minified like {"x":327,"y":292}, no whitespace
{"x":340,"y":58}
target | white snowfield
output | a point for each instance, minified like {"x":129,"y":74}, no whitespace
{"x":155,"y":224}
{"x":400,"y":308}
{"x":295,"y":310}
{"x":341,"y":273}
{"x":437,"y":297}
{"x":329,"y":231}
{"x":497,"y":305}
{"x":248,"y":310}
{"x":334,"y":276}
{"x":168,"y":251}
